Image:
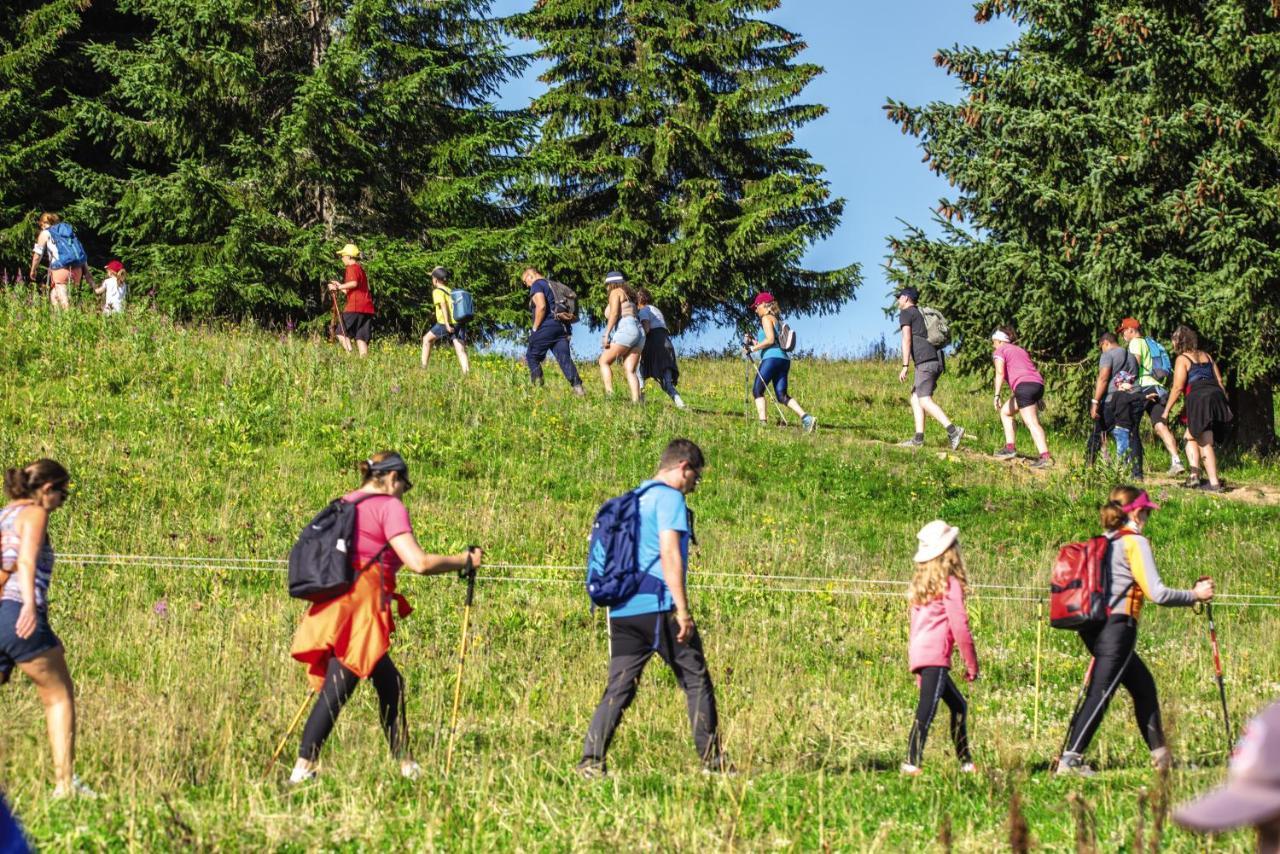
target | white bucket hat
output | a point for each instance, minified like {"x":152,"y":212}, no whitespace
{"x":934,"y":539}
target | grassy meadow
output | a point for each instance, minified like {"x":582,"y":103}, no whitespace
{"x":221,"y":443}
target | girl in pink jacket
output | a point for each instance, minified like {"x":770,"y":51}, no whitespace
{"x":938,"y":624}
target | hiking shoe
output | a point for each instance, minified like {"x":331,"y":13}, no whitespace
{"x":77,"y":789}
{"x":956,"y":437}
{"x":909,"y":770}
{"x":968,"y":768}
{"x":579,"y":391}
{"x":301,"y":775}
{"x":410,"y":770}
{"x":913,"y":442}
{"x":1043,"y":463}
{"x":592,"y":769}
{"x":808,"y":423}
{"x":678,"y":401}
{"x":1005,"y":454}
{"x":1175,"y":468}
{"x":1162,"y":759}
{"x":1072,"y":765}
{"x":1192,"y":482}
{"x":721,"y":766}
{"x":1210,"y":487}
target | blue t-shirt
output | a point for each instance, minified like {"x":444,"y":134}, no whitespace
{"x":774,"y":352}
{"x":661,"y":509}
{"x":541,"y":287}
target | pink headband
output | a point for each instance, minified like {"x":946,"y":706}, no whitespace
{"x":1142,"y":502}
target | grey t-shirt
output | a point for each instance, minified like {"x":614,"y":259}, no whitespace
{"x":921,"y":350}
{"x":1117,"y":359}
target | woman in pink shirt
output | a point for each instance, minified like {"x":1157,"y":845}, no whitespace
{"x":1026,"y":389}
{"x":938,"y":624}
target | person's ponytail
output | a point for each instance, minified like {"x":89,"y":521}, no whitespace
{"x":1112,"y":513}
{"x":25,"y":482}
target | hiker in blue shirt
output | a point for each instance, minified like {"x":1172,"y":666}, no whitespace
{"x":657,"y":619}
{"x":550,"y":332}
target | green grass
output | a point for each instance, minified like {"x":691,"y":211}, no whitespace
{"x":221,"y":443}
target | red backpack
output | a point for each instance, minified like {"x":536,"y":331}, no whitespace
{"x":1080,"y":587}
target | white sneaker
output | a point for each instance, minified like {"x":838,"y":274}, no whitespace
{"x":909,"y":770}
{"x":968,"y":768}
{"x":1175,"y":468}
{"x":301,"y":775}
{"x":678,"y":401}
{"x":77,"y":789}
{"x":410,"y":770}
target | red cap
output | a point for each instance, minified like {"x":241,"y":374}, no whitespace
{"x":114,"y":267}
{"x":762,"y":298}
{"x":1128,"y":323}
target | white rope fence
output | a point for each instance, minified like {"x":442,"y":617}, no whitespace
{"x":740,"y":582}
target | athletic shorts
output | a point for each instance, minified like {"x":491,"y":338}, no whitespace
{"x":1155,"y":408}
{"x":358,"y":325}
{"x":15,"y":650}
{"x":441,"y":333}
{"x":926,"y":380}
{"x":1028,"y":394}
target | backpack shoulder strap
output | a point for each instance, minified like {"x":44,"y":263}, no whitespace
{"x":377,"y":558}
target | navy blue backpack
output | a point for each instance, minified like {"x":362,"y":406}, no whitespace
{"x":614,"y":573}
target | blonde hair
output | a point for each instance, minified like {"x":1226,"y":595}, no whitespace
{"x":930,"y":580}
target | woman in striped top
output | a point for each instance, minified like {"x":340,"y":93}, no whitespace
{"x":26,"y":639}
{"x":1134,"y":579}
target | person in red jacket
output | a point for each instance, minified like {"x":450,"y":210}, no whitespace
{"x":939,"y":623}
{"x":357,"y":310}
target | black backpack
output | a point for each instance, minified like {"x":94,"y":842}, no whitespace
{"x":320,"y":561}
{"x":564,"y":302}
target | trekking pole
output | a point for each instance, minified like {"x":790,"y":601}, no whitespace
{"x":306,"y":701}
{"x":1084,"y":688}
{"x":1035,"y":720}
{"x":1217,"y":670}
{"x":469,"y":573}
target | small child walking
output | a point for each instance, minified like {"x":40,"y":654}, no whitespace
{"x":939,"y":623}
{"x":113,"y":286}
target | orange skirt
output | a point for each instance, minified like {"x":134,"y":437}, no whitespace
{"x":356,"y":627}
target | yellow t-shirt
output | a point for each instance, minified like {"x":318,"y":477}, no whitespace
{"x":443,"y":300}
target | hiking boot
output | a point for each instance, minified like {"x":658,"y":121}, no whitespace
{"x":1005,"y":454}
{"x":909,"y":770}
{"x":1042,"y":463}
{"x":721,"y":766}
{"x":592,"y":769}
{"x":1072,"y":765}
{"x":1175,"y":468}
{"x":956,"y":436}
{"x":1210,"y":487}
{"x":1162,"y":759}
{"x":913,"y":442}
{"x":1192,"y":482}
{"x":808,"y":423}
{"x":77,"y":789}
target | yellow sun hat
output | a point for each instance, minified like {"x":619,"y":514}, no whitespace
{"x":349,"y":251}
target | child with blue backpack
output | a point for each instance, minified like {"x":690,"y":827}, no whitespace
{"x":637,"y":567}
{"x":58,"y":246}
{"x":448,"y":327}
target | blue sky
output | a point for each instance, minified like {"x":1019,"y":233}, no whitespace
{"x":871,"y":51}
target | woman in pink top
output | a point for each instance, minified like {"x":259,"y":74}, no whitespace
{"x":1015,"y":369}
{"x":938,"y":624}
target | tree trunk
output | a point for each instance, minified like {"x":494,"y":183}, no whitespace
{"x":1254,"y":428}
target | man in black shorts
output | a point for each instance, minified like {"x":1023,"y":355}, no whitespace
{"x":929,"y":367}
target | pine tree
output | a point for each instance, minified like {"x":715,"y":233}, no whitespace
{"x":666,"y":150}
{"x":1119,"y":159}
{"x":251,"y":138}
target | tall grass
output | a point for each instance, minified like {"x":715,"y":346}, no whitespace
{"x":221,"y":442}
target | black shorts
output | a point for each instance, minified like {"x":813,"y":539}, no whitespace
{"x":1028,"y":394}
{"x":1155,"y":396}
{"x":357,"y":325}
{"x":441,"y":333}
{"x":15,"y":650}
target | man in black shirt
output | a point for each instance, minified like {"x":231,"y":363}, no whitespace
{"x":929,"y":366}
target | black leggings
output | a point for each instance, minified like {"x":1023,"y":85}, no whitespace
{"x":1114,"y":648}
{"x":935,"y":685}
{"x":339,"y":684}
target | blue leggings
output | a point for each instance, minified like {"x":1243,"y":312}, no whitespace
{"x":773,"y":371}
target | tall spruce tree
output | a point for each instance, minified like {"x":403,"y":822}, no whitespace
{"x":666,"y":150}
{"x":252,"y":137}
{"x":1121,"y":158}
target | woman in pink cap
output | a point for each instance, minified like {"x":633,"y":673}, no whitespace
{"x":939,"y":623}
{"x":775,"y":363}
{"x":1015,"y":369}
{"x":1113,"y":645}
